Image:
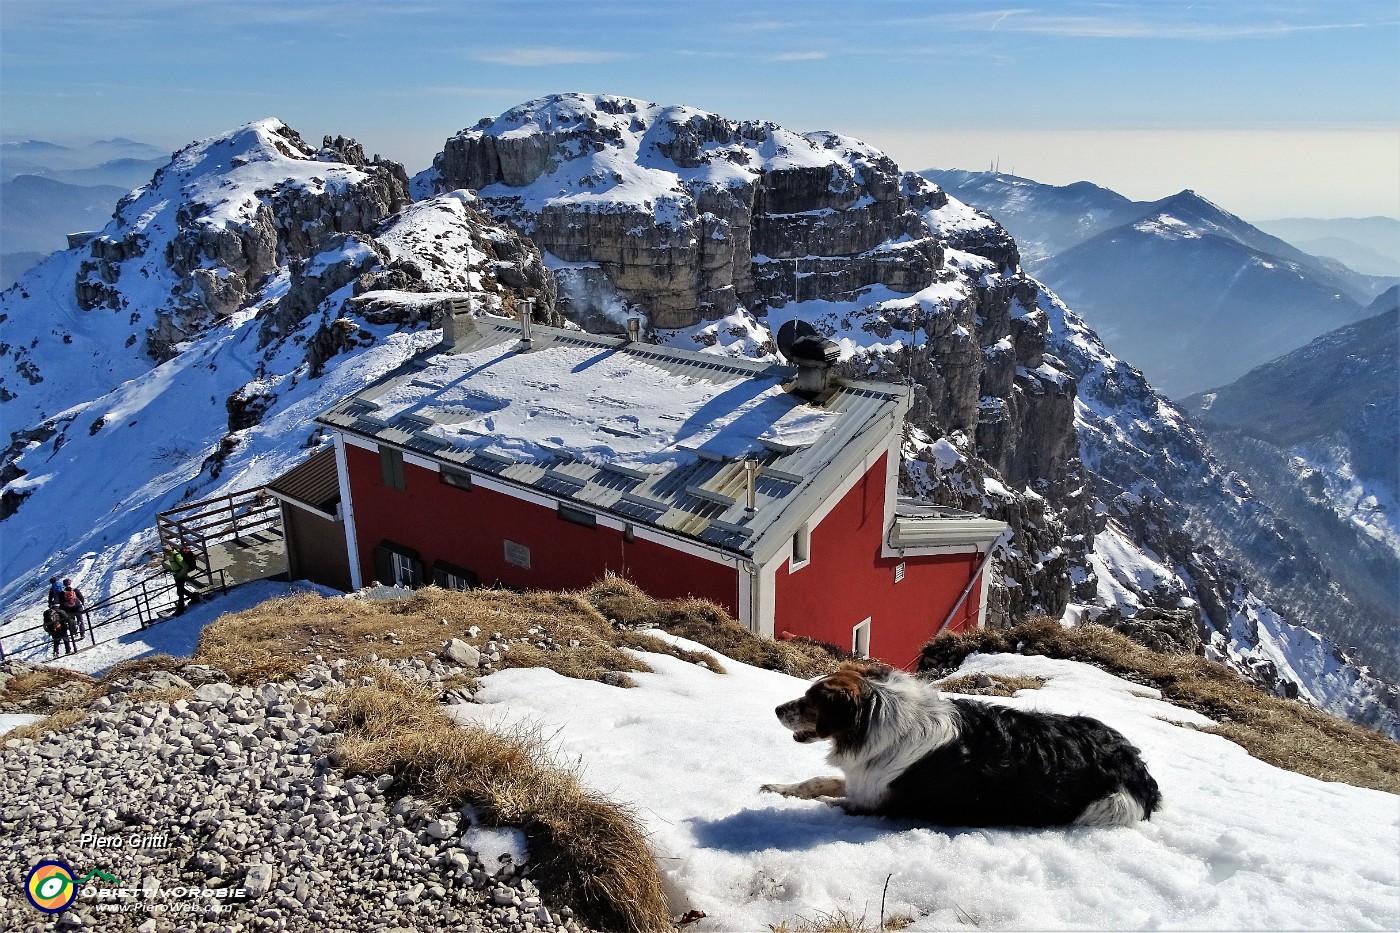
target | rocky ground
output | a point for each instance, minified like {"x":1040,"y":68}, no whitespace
{"x":234,"y":817}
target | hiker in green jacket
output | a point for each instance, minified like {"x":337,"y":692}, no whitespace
{"x":176,"y":565}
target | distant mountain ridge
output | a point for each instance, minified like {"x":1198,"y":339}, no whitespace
{"x":37,"y":213}
{"x":1187,"y":291}
{"x":38,"y":157}
{"x":1370,"y":245}
{"x":48,"y":191}
{"x":1317,"y":435}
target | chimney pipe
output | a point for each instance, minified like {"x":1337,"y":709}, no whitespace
{"x":527,"y":316}
{"x":634,"y":329}
{"x":814,"y":358}
{"x":751,"y":478}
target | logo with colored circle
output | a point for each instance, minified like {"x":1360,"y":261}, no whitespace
{"x":50,"y":887}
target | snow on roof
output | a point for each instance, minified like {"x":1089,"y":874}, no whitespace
{"x":598,"y":406}
{"x":655,"y":435}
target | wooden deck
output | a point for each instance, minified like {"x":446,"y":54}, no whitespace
{"x":253,"y":556}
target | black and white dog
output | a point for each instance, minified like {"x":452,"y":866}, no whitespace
{"x":907,"y":751}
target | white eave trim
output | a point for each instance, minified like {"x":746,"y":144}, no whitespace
{"x":304,"y":506}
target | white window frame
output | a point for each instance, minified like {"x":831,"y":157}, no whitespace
{"x":403,"y":568}
{"x":860,"y":639}
{"x":801,"y":548}
{"x":455,"y":582}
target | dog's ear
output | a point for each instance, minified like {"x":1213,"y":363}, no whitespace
{"x":838,"y":700}
{"x":874,"y":670}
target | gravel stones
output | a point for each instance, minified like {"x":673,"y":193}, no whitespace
{"x":233,"y":790}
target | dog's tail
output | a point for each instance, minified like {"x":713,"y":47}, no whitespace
{"x":1136,"y":798}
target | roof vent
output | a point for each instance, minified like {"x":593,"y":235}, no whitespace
{"x":634,"y":329}
{"x":527,"y":317}
{"x":457,"y":321}
{"x":811,"y":353}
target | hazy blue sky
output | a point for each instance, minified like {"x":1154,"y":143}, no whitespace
{"x":1268,"y":108}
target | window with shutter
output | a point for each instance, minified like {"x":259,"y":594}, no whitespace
{"x":396,"y":565}
{"x":391,"y":467}
{"x":451,"y":577}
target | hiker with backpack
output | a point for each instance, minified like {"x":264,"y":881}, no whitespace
{"x":178,"y":567}
{"x":191,"y":560}
{"x":71,"y":601}
{"x":55,"y":592}
{"x":57,"y":627}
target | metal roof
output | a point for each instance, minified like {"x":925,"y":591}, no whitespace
{"x":313,"y":483}
{"x":701,"y":496}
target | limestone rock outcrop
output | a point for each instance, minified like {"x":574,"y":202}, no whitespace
{"x":683,"y":215}
{"x":218,"y":223}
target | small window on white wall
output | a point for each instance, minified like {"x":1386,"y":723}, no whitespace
{"x":801,"y":548}
{"x":860,"y":640}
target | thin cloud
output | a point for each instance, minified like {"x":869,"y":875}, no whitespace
{"x":535,"y":56}
{"x":799,"y":56}
{"x":1120,"y":23}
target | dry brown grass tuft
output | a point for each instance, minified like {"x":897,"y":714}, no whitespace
{"x":840,"y":921}
{"x":276,"y":639}
{"x":56,"y":722}
{"x":702,"y":621}
{"x":1284,"y":733}
{"x":135,"y":667}
{"x":30,"y":687}
{"x":166,"y":695}
{"x":990,"y":684}
{"x":588,"y":851}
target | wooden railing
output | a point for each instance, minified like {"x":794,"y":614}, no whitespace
{"x":214,"y":521}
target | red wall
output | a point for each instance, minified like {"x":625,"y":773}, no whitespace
{"x":468,"y":527}
{"x":847,"y":581}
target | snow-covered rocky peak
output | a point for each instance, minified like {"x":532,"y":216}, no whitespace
{"x":208,"y":236}
{"x":273,"y":278}
{"x":684,"y":216}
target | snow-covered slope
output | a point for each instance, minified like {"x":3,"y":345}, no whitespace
{"x":1238,"y":844}
{"x":105,"y":434}
{"x":210,"y":231}
{"x":1177,"y":531}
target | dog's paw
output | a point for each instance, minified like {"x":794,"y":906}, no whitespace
{"x":774,"y":789}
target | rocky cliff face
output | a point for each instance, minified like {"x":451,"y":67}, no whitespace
{"x":687,"y":215}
